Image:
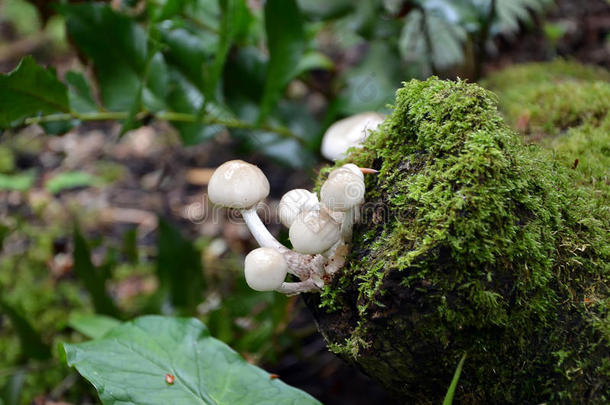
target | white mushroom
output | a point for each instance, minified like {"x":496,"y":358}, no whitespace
{"x":294,"y":202}
{"x":314,"y":232}
{"x":343,"y":191}
{"x":241,"y":185}
{"x":348,"y":132}
{"x":265,"y":269}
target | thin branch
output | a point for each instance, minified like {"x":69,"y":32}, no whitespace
{"x":165,"y":116}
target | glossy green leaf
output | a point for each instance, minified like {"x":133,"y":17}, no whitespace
{"x":91,"y":325}
{"x":179,"y":269}
{"x":286,"y":44}
{"x":32,"y":345}
{"x":185,"y":97}
{"x":30,"y":90}
{"x":92,"y":279}
{"x":189,"y":49}
{"x":80,"y":96}
{"x":119,"y":49}
{"x":130,"y":363}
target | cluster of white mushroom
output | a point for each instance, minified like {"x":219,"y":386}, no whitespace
{"x":319,"y":229}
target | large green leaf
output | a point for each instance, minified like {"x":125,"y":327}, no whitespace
{"x":118,"y":47}
{"x":30,"y":90}
{"x":130,"y":363}
{"x":286,"y":43}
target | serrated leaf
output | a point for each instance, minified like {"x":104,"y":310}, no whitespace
{"x":80,"y":96}
{"x":92,"y":325}
{"x":30,"y":90}
{"x":32,"y":345}
{"x":130,"y":363}
{"x":118,"y":47}
{"x":286,"y":44}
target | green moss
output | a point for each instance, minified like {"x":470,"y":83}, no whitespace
{"x":478,"y":244}
{"x":564,"y":107}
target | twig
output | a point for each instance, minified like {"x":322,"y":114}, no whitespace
{"x":165,"y":116}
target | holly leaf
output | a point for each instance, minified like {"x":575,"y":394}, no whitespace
{"x":118,"y":47}
{"x":161,"y":360}
{"x":30,"y":90}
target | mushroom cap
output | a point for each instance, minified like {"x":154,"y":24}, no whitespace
{"x":348,"y":132}
{"x":237,"y":184}
{"x":343,"y":190}
{"x":265,"y":269}
{"x":314,"y":232}
{"x":294,"y":202}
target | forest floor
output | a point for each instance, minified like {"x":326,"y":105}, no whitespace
{"x":147,"y":173}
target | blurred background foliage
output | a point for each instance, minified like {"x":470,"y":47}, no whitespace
{"x":149,"y":96}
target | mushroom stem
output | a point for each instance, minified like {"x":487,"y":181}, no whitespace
{"x":260,"y":231}
{"x":299,"y":287}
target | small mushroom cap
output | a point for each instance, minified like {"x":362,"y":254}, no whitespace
{"x":237,"y":184}
{"x":294,"y":202}
{"x":348,"y":132}
{"x":265,"y":269}
{"x":343,"y":189}
{"x":314,"y":232}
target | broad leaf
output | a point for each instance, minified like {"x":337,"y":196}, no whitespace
{"x":130,"y":364}
{"x":30,"y":90}
{"x":286,"y":43}
{"x":179,"y":268}
{"x":93,"y":280}
{"x":91,"y":325}
{"x":118,"y":47}
{"x":32,"y":345}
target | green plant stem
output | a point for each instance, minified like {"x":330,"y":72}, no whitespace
{"x":163,"y":115}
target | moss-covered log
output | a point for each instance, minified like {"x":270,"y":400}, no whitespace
{"x":471,"y":243}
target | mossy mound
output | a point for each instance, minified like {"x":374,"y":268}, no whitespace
{"x":471,"y":243}
{"x":565,"y":107}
